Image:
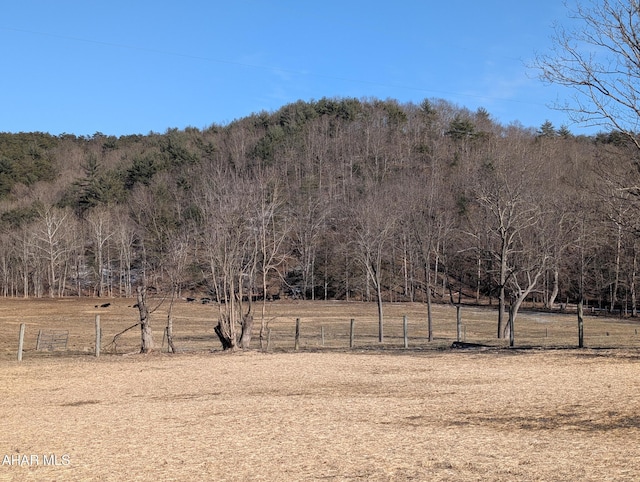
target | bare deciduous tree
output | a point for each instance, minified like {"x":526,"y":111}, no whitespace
{"x":146,"y":334}
{"x":49,"y":241}
{"x":230,"y":240}
{"x":125,"y":239}
{"x":507,"y":194}
{"x":599,"y":60}
{"x":271,"y":230}
{"x":99,"y":220}
{"x":175,"y":261}
{"x":373,"y":224}
{"x":308,"y":219}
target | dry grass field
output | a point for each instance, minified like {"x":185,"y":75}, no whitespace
{"x":545,"y":411}
{"x":193,"y":326}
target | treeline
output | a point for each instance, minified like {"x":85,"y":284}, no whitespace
{"x":335,"y":198}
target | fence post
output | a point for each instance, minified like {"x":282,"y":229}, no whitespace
{"x":297,"y":340}
{"x":21,"y":341}
{"x":98,"y":336}
{"x":352,"y":332}
{"x":458,"y":322}
{"x":405,"y":331}
{"x":322,"y":334}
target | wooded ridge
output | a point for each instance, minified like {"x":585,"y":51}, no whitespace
{"x":336,"y":198}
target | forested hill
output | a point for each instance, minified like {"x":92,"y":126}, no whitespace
{"x":335,"y":198}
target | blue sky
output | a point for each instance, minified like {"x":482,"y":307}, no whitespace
{"x":138,"y":66}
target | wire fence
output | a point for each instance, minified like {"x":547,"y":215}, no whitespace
{"x":305,"y":326}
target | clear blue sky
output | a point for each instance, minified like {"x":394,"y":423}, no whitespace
{"x":131,"y":67}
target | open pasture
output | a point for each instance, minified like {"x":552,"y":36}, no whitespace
{"x":322,"y":415}
{"x":194,"y":322}
{"x":318,"y":414}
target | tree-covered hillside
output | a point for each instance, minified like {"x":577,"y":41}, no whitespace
{"x":335,"y":198}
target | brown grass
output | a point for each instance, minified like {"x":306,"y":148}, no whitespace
{"x":319,"y":414}
{"x":193,"y":326}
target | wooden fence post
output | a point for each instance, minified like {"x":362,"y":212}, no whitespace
{"x":322,"y":334}
{"x":98,"y":336}
{"x":405,"y":330}
{"x":297,"y":340}
{"x":458,"y":322}
{"x":352,"y":332}
{"x":21,"y":341}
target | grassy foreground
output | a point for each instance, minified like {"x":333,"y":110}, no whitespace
{"x":321,"y":413}
{"x":494,"y":415}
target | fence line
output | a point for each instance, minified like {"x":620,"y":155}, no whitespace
{"x":285,"y":334}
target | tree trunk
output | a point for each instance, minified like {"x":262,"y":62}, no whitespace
{"x":223,"y":332}
{"x":172,"y":348}
{"x":263,"y":321}
{"x":478,"y":278}
{"x":226,"y":327}
{"x":580,"y":325}
{"x":501,"y":306}
{"x":616,"y":274}
{"x":380,"y":316}
{"x":513,"y":309}
{"x":146,"y":345}
{"x":245,"y":335}
{"x":503,"y":282}
{"x":554,"y":289}
{"x":429,"y":319}
{"x":517,"y":301}
{"x":632,"y":284}
{"x":231,"y":319}
{"x":246,"y":320}
{"x":405,"y":270}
